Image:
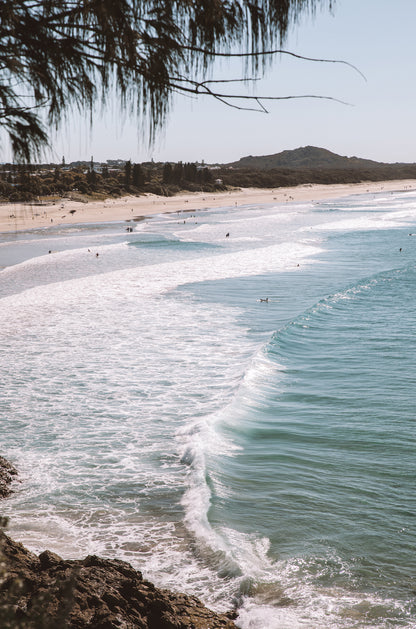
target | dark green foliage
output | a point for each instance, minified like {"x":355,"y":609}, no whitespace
{"x":283,"y":177}
{"x":177,"y":173}
{"x":127,"y":174}
{"x":181,"y":175}
{"x":137,"y":176}
{"x":190,"y":172}
{"x":205,"y":175}
{"x":304,"y":157}
{"x":167,"y":176}
{"x":58,"y":55}
{"x":92,"y":178}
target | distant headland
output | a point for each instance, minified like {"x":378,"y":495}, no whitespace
{"x":95,"y":181}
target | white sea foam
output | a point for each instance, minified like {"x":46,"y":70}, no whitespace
{"x":120,"y":395}
{"x":196,"y":442}
{"x":257,"y":224}
{"x":261,"y":371}
{"x":360,"y":224}
{"x":396,"y":213}
{"x":137,"y":283}
{"x":95,"y":403}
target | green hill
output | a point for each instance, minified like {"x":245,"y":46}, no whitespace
{"x":309,"y":164}
{"x":309,"y":157}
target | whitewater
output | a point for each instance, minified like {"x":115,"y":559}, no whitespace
{"x":231,"y":414}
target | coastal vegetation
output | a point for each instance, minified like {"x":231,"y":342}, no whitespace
{"x":94,"y":181}
{"x":86,"y":181}
{"x":283,"y":177}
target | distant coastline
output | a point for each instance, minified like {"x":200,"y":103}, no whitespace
{"x":23,"y":216}
{"x":92,"y":181}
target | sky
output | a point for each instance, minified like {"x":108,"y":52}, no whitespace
{"x":376,"y":36}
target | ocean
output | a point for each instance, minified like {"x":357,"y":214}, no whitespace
{"x":232,"y":414}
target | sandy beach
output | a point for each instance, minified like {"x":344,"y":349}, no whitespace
{"x":23,"y":216}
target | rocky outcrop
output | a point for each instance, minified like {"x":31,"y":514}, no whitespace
{"x":7,"y":474}
{"x":47,"y":592}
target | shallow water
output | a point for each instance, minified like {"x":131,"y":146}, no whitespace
{"x":261,"y":454}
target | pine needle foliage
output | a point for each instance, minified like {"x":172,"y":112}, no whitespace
{"x":58,"y":56}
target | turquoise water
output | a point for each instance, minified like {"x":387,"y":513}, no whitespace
{"x":259,"y":454}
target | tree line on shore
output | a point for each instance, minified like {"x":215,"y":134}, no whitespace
{"x":284,"y":177}
{"x":84,"y":181}
{"x":28,"y":183}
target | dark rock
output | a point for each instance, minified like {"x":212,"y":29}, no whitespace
{"x":48,"y":559}
{"x":7,"y":474}
{"x":47,"y":592}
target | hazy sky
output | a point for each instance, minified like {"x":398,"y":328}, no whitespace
{"x":377,"y":36}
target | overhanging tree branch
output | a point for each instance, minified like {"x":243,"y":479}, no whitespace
{"x":202,"y":89}
{"x":270,"y":53}
{"x":60,"y":55}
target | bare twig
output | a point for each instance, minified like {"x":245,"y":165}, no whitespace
{"x":278,"y":51}
{"x":201,"y":88}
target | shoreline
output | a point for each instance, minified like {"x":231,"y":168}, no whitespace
{"x":291,"y":292}
{"x":16,"y":217}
